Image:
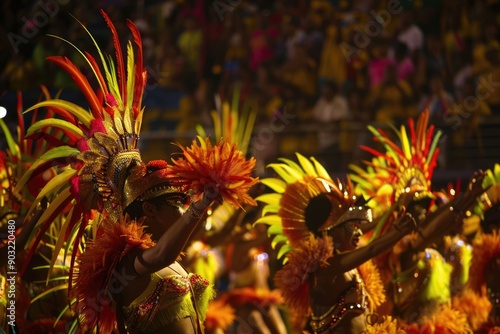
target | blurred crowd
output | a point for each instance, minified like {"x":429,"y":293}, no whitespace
{"x":329,"y":62}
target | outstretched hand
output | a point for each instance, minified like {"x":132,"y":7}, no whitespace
{"x":211,"y":194}
{"x":475,"y":187}
{"x":405,"y":224}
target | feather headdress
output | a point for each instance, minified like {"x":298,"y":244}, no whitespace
{"x":101,"y":171}
{"x":401,"y":166}
{"x":304,"y":201}
{"x":98,"y":151}
{"x":487,"y":207}
{"x":298,"y":184}
{"x":17,"y":158}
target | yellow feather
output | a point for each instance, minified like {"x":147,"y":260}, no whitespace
{"x":84,"y":116}
{"x":269,"y":220}
{"x":273,"y":199}
{"x":217,"y":124}
{"x":130,"y":76}
{"x":405,"y":144}
{"x":306,"y":165}
{"x":286,"y":172}
{"x":55,"y":123}
{"x":275,"y":184}
{"x":320,"y":169}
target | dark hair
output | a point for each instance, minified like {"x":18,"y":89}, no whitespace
{"x":400,"y":49}
{"x":316,"y":213}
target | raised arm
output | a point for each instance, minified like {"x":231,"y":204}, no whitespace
{"x":449,"y":216}
{"x":350,"y":260}
{"x":174,"y":240}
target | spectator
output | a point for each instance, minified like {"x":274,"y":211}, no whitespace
{"x":438,"y":100}
{"x":391,"y":99}
{"x":404,"y":64}
{"x":190,"y":43}
{"x":332,"y":64}
{"x":300,"y":71}
{"x":489,"y":38}
{"x":490,"y":80}
{"x":379,"y":61}
{"x":261,"y":43}
{"x":330,"y":109}
{"x":409,"y":33}
{"x":293,"y":35}
{"x":466,"y":120}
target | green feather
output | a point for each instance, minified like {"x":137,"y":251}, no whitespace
{"x":434,"y":144}
{"x":269,"y":220}
{"x":55,"y":153}
{"x":130,"y":75}
{"x":278,"y":239}
{"x":82,"y":54}
{"x":81,"y":114}
{"x":11,"y":143}
{"x":55,"y":123}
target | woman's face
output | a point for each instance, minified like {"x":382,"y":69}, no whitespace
{"x":160,"y":217}
{"x":347,"y":235}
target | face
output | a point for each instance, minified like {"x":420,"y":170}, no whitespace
{"x":347,"y":235}
{"x":160,"y":217}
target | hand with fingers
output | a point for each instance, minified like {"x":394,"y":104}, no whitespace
{"x":405,"y":223}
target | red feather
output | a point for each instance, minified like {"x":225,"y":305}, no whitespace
{"x":139,"y":78}
{"x":50,"y":139}
{"x":97,"y":70}
{"x":371,"y":150}
{"x":65,"y":114}
{"x":45,"y":226}
{"x":80,"y":80}
{"x":411,"y":125}
{"x":120,"y":66}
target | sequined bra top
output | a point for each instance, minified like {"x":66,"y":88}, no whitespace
{"x":353,"y":299}
{"x":168,"y":299}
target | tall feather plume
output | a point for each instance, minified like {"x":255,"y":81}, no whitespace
{"x":140,"y":72}
{"x":120,"y":70}
{"x":396,"y":165}
{"x":92,"y":139}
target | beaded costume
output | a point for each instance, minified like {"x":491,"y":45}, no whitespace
{"x":168,"y":299}
{"x":405,"y":167}
{"x":304,"y":252}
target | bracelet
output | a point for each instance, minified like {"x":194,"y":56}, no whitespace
{"x":420,"y":233}
{"x":195,"y":212}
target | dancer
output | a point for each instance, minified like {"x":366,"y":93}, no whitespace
{"x":126,"y":277}
{"x":326,"y":277}
{"x":420,"y":278}
{"x":485,"y":268}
